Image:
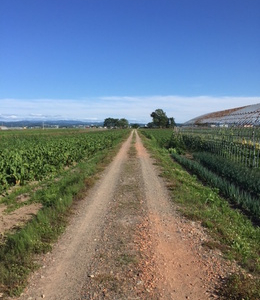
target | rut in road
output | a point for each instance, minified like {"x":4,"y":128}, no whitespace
{"x":66,"y":267}
{"x":181,"y":271}
{"x":127,"y":241}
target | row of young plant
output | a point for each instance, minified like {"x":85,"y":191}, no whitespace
{"x":34,"y":157}
{"x":238,"y":144}
{"x":246,"y":178}
{"x":237,"y":182}
{"x":230,"y":190}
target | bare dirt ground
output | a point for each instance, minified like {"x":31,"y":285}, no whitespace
{"x":127,"y":241}
{"x":16,"y":218}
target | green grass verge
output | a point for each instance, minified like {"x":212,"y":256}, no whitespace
{"x":18,"y":249}
{"x":233,"y":233}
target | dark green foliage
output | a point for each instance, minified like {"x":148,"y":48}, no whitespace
{"x":171,"y":123}
{"x":112,"y":123}
{"x":122,"y":123}
{"x":245,"y":178}
{"x":241,"y":198}
{"x":161,"y":120}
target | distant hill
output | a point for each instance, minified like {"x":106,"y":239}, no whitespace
{"x":53,"y":123}
{"x":50,"y":123}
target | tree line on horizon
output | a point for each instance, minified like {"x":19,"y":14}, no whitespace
{"x":116,"y":123}
{"x":159,"y":117}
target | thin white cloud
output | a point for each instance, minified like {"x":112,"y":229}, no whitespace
{"x":8,"y":117}
{"x":136,"y":108}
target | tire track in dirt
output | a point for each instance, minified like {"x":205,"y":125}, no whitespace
{"x":128,"y":242}
{"x":117,"y":270}
{"x":65,"y":268}
{"x":180,"y":270}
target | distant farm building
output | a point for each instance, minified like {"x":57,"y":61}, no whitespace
{"x":247,"y":116}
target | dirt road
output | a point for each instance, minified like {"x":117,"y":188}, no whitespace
{"x":126,"y":241}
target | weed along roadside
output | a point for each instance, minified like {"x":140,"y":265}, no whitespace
{"x":53,"y":197}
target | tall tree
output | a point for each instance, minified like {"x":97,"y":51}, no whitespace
{"x":110,"y":122}
{"x":122,"y":123}
{"x":159,"y":118}
{"x":171,"y":123}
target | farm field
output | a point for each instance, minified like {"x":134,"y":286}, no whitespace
{"x":42,"y":174}
{"x":32,"y":160}
{"x":146,"y":229}
{"x":233,"y":221}
{"x":227,"y":158}
{"x":34,"y":155}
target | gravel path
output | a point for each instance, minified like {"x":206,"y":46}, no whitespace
{"x":126,"y":241}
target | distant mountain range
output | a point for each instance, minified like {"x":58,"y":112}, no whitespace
{"x":51,"y":123}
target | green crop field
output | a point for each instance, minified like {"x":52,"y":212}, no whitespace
{"x":34,"y":155}
{"x":51,"y":169}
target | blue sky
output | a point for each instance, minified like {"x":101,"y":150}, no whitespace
{"x":92,"y":59}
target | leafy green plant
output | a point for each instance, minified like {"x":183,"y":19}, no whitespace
{"x":18,"y":248}
{"x":241,"y":198}
{"x":247,"y":179}
{"x":36,"y":157}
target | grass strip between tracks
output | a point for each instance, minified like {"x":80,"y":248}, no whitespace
{"x":230,"y":230}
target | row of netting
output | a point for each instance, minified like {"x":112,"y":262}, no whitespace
{"x":197,"y":150}
{"x":239,"y":144}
